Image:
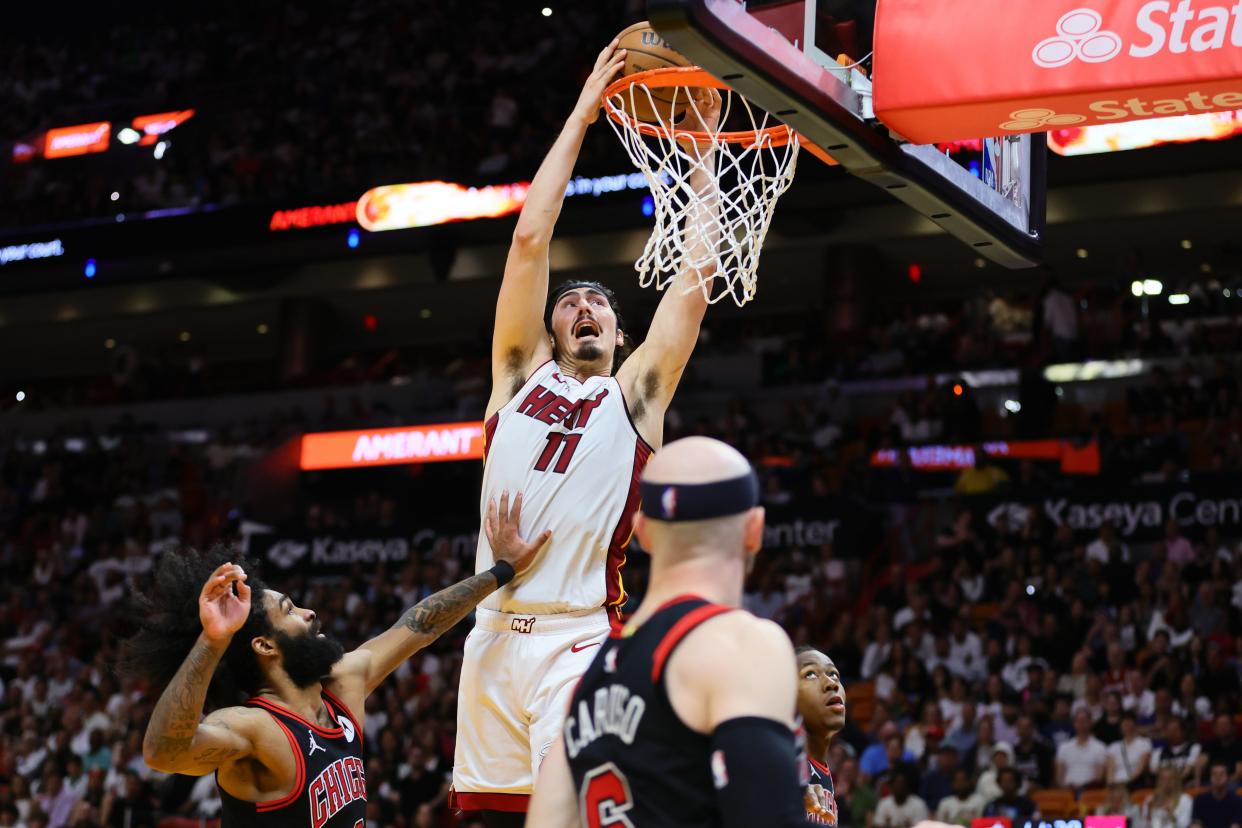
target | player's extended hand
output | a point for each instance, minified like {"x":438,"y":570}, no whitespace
{"x":607,"y":65}
{"x":703,"y":113}
{"x":221,"y":610}
{"x":501,"y":527}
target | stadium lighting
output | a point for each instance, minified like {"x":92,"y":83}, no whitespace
{"x":109,"y":343}
{"x":352,"y":239}
{"x":89,"y":269}
{"x":1082,"y":253}
{"x":1136,"y":287}
{"x":128,"y":136}
{"x":185,"y":336}
{"x":1179,"y":299}
{"x":648,"y":206}
{"x":1187,"y":244}
{"x":1013,"y":406}
{"x":546,"y":12}
{"x":1227,"y":294}
{"x":116,"y":196}
{"x":21,"y":395}
{"x":981,"y":263}
{"x":160,"y":149}
{"x":1153,"y":287}
{"x":425,"y":313}
{"x":262,"y":329}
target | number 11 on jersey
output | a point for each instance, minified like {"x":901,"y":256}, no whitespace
{"x":566,"y":443}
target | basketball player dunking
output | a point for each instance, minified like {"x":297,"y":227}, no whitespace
{"x":685,"y":716}
{"x":291,"y":755}
{"x":821,"y":706}
{"x":570,"y":426}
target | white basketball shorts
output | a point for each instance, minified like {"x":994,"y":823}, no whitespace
{"x":517,"y":677}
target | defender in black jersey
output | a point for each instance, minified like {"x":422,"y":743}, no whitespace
{"x":684,"y":719}
{"x":821,"y":706}
{"x":285,"y":733}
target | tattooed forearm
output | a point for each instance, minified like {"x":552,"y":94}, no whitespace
{"x":170,"y":733}
{"x":436,"y":614}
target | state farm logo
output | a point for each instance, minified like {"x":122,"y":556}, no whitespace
{"x":1024,"y":120}
{"x":1179,"y":28}
{"x":1080,"y":35}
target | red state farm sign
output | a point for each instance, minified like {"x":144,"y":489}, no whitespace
{"x":947,"y":70}
{"x":392,"y":446}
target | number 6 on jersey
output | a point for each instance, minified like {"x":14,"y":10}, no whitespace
{"x":605,"y":798}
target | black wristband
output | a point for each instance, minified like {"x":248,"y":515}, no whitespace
{"x":503,"y":571}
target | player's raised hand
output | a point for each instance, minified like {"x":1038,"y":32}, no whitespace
{"x":222,"y":610}
{"x":607,"y":65}
{"x":703,"y":113}
{"x":501,"y":527}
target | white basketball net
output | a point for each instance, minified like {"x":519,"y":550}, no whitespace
{"x":714,"y":232}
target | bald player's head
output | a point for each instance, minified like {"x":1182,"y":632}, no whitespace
{"x":700,"y":498}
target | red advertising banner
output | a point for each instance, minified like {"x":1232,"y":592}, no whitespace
{"x":991,"y":822}
{"x":77,"y":140}
{"x":392,"y":446}
{"x":946,"y":70}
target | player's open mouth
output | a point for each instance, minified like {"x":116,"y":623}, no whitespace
{"x":586,"y":328}
{"x":835,"y":703}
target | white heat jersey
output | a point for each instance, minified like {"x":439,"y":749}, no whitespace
{"x":572,"y":451}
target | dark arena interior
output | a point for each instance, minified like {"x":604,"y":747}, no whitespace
{"x":1007,"y":503}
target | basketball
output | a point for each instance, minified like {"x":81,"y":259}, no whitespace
{"x":646,"y":49}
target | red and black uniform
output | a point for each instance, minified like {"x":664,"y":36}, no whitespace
{"x":818,"y":774}
{"x":634,"y":762}
{"x":330,"y":790}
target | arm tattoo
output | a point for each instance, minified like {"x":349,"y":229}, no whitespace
{"x":174,"y":721}
{"x":436,"y":614}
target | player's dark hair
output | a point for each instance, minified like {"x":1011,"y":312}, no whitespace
{"x":806,"y":648}
{"x":168,"y":625}
{"x":554,"y":296}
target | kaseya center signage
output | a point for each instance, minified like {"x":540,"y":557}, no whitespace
{"x":1033,"y":67}
{"x":1139,"y":513}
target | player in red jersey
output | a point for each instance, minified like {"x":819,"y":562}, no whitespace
{"x":685,"y":717}
{"x":821,"y":705}
{"x":284,"y":734}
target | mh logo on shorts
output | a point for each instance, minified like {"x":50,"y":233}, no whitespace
{"x":523,"y":625}
{"x":1080,"y":35}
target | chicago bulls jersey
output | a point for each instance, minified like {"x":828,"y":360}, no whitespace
{"x":633,"y":760}
{"x":330,"y":790}
{"x":818,"y":774}
{"x":572,"y":451}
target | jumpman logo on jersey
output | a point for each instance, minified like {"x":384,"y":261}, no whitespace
{"x":314,"y":746}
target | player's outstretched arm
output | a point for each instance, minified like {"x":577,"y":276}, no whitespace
{"x":735,"y":678}
{"x":175,"y":741}
{"x":519,"y":341}
{"x":554,"y":804}
{"x":651,"y":375}
{"x":431,"y":617}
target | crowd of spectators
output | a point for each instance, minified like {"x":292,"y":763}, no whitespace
{"x":1021,"y":667}
{"x":992,"y":663}
{"x":297,"y":102}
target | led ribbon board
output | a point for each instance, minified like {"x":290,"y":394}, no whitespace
{"x":392,"y":446}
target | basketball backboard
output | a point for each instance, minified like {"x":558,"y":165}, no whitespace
{"x":776,"y":53}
